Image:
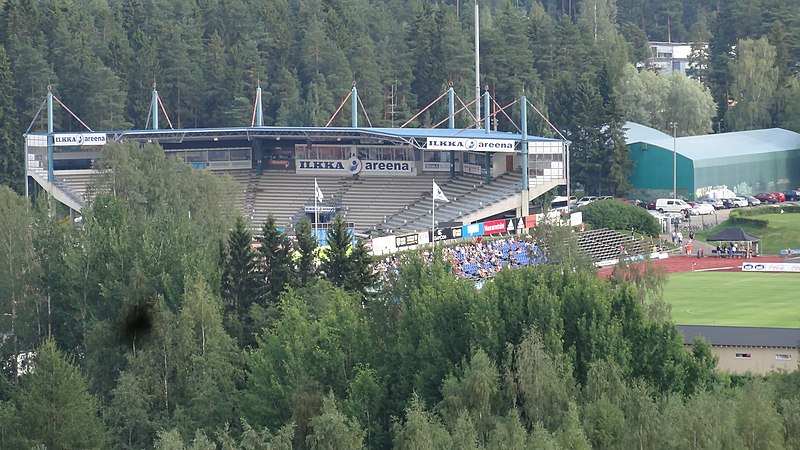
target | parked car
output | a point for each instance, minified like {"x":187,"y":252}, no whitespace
{"x":739,"y":202}
{"x":792,"y":195}
{"x":605,"y":197}
{"x":651,"y":205}
{"x":586,"y":200}
{"x":780,"y":196}
{"x":636,"y":202}
{"x":752,"y":201}
{"x":766,"y":197}
{"x":714,"y":201}
{"x":672,"y":205}
{"x":702,"y":209}
{"x":727,"y":203}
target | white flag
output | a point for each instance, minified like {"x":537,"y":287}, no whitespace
{"x":438,"y":194}
{"x":318,"y":191}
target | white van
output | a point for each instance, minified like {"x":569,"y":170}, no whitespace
{"x":672,"y":205}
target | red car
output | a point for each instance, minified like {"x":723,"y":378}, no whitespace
{"x":766,"y":197}
{"x":779,"y":196}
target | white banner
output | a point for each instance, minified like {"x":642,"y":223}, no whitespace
{"x":471,"y":145}
{"x":471,"y":168}
{"x":353,"y":166}
{"x":436,"y":167}
{"x":770,"y":267}
{"x":78,"y":139}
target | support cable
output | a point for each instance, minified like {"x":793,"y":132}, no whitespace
{"x":339,"y":108}
{"x":165,"y":112}
{"x":36,"y":115}
{"x":545,"y":119}
{"x":507,"y":116}
{"x":149,"y":110}
{"x":255,"y":107}
{"x":489,"y":116}
{"x":467,"y":106}
{"x":369,"y":122}
{"x":456,"y":112}
{"x":72,"y":113}
{"x":424,"y":109}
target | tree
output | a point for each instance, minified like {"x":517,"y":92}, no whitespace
{"x":333,"y":430}
{"x":335,"y":264}
{"x":54,"y":407}
{"x":755,"y":82}
{"x":421,"y":429}
{"x":240,"y":286}
{"x":307,"y":247}
{"x":275,"y":260}
{"x":11,"y":169}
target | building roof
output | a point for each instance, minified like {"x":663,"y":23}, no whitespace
{"x":742,"y":336}
{"x":636,"y":132}
{"x":723,"y":145}
{"x":413,"y":136}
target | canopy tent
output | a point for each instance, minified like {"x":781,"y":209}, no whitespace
{"x":736,"y":235}
{"x":733,"y":235}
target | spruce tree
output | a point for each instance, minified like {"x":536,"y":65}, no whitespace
{"x":336,"y":263}
{"x":307,"y":247}
{"x":275,"y":259}
{"x":54,"y":407}
{"x":11,"y":168}
{"x":239,"y":279}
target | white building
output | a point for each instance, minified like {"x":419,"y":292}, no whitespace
{"x":670,"y":57}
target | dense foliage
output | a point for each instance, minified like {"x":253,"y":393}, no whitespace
{"x":584,"y":64}
{"x":617,"y":215}
{"x":146,"y":331}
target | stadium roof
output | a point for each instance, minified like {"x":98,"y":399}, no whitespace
{"x":412,"y":136}
{"x":742,"y":336}
{"x":723,"y":145}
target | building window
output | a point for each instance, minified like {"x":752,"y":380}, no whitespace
{"x":780,"y":357}
{"x":743,"y":356}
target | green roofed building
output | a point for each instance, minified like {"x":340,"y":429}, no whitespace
{"x":746,"y":162}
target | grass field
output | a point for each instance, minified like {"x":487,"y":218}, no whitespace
{"x":782,"y":232}
{"x":735,"y":299}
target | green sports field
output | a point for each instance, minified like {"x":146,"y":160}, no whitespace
{"x":735,"y":299}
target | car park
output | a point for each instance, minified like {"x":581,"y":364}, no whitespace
{"x":702,"y":209}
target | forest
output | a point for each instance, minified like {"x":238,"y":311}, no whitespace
{"x":582,"y":63}
{"x":156,"y":323}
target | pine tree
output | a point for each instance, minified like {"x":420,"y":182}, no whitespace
{"x":54,"y":407}
{"x":336,"y":263}
{"x":275,"y":260}
{"x":240,"y":286}
{"x":307,"y":246}
{"x":11,"y":166}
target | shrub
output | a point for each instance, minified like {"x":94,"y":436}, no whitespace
{"x":618,"y":215}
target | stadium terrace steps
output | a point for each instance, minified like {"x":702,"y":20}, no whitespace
{"x":283,"y":194}
{"x":467,"y":195}
{"x":370,"y":200}
{"x":604,"y":244}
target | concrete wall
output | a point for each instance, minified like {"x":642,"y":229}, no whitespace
{"x":762,"y":360}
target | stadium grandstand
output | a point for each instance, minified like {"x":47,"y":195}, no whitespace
{"x":379,"y":179}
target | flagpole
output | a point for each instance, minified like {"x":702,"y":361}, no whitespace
{"x":316,"y":213}
{"x":433,"y":216}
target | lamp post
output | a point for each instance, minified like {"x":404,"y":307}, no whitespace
{"x":674,"y":126}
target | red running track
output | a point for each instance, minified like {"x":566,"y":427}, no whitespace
{"x":677,"y":264}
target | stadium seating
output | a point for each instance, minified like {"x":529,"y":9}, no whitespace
{"x":467,"y":194}
{"x":604,"y":245}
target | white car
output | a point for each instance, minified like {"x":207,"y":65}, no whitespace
{"x":702,"y":209}
{"x":740,"y":202}
{"x":586,"y":200}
